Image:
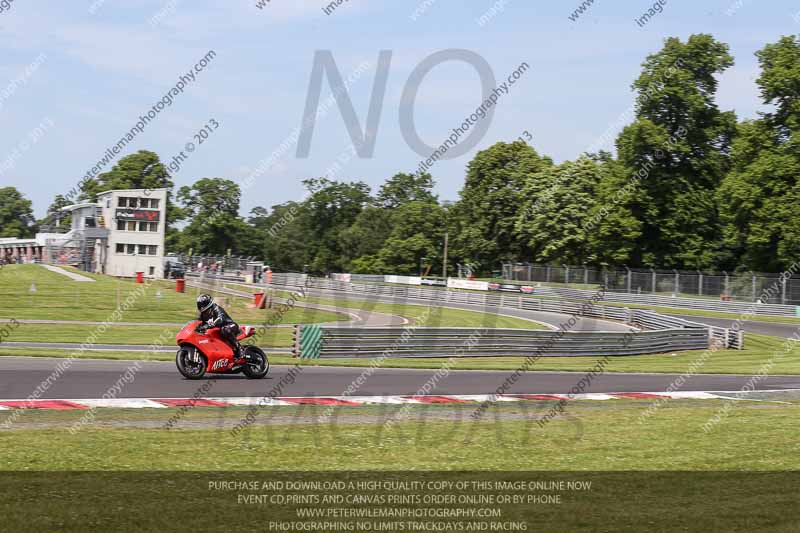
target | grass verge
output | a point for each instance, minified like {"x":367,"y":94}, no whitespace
{"x":608,"y":436}
{"x":32,"y":292}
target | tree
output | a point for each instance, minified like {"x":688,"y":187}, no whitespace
{"x":54,"y":212}
{"x":142,"y":170}
{"x":780,"y":72}
{"x":16,"y":214}
{"x":210,"y":196}
{"x":553,"y":218}
{"x":680,"y":142}
{"x":281,"y":235}
{"x":417,"y":232}
{"x":330,"y":209}
{"x":761,"y":195}
{"x":487,"y":212}
{"x":213,"y":206}
{"x":612,"y":227}
{"x":365,"y":237}
{"x":403,"y":188}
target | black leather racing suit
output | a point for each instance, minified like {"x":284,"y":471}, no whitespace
{"x":216,"y":317}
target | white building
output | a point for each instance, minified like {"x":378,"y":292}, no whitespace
{"x":136,"y":220}
{"x":122,"y":234}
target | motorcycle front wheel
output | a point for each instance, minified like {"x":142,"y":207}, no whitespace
{"x":257,"y":365}
{"x":190,"y":362}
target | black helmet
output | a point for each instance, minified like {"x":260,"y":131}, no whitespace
{"x":204,"y":301}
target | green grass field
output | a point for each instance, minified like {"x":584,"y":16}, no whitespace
{"x":602,"y":436}
{"x":56,"y":297}
{"x":662,"y":474}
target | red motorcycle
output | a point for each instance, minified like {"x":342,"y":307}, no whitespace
{"x":206,"y":351}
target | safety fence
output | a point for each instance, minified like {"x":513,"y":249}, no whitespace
{"x":216,"y":264}
{"x":669,"y":301}
{"x":277,"y":278}
{"x":742,"y":286}
{"x":703,"y":304}
{"x":759,"y":307}
{"x":645,"y":320}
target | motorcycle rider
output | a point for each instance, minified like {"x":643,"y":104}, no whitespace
{"x":214,"y":316}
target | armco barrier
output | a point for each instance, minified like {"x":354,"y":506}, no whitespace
{"x":643,"y":319}
{"x":659,"y":333}
{"x":727,"y":337}
{"x":336,"y":342}
{"x":491,"y":300}
{"x":724,"y":337}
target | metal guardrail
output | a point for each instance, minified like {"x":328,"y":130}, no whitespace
{"x":658,"y":333}
{"x":367,"y":277}
{"x":733,"y":339}
{"x":314,"y":342}
{"x":677,"y":302}
{"x":648,"y":321}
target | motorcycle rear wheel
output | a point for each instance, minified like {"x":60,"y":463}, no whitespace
{"x":258,"y":365}
{"x":187,"y":366}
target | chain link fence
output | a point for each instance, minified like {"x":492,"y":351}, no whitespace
{"x":739,"y":286}
{"x":214,"y":263}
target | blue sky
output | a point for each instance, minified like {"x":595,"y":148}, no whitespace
{"x":102,"y":70}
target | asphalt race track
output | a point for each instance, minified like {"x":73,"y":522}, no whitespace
{"x":92,"y":378}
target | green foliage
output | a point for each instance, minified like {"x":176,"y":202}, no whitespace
{"x":556,"y":205}
{"x":280,"y":236}
{"x":417,"y":233}
{"x":330,"y":209}
{"x":681,"y":141}
{"x":16,"y":214}
{"x":760,"y":198}
{"x":364,"y":238}
{"x":403,"y":188}
{"x":55,"y":214}
{"x":142,"y":170}
{"x":779,"y":83}
{"x":213,"y":206}
{"x":490,"y":203}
